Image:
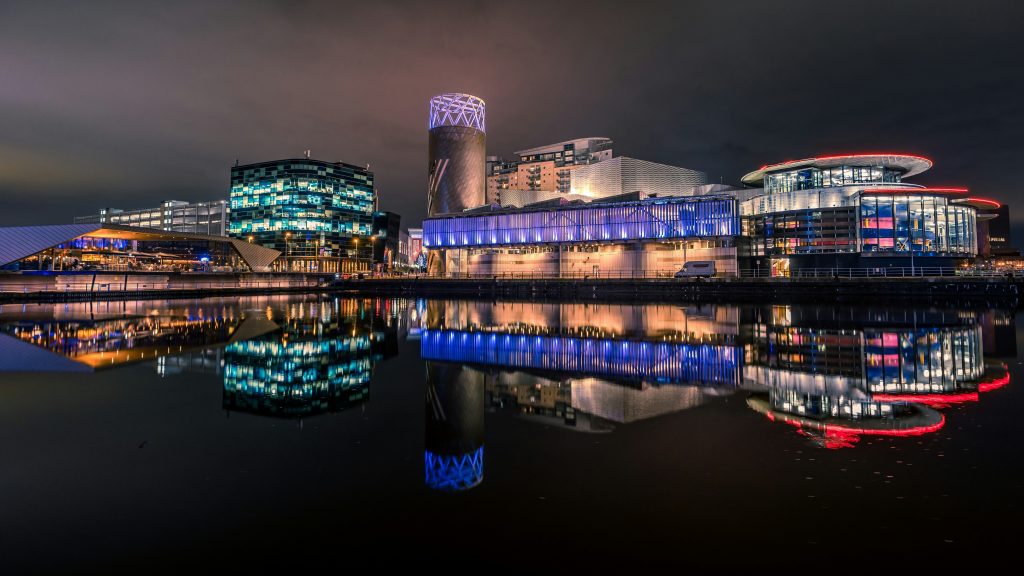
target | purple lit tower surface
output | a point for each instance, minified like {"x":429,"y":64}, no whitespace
{"x":454,"y":455}
{"x":458,"y":154}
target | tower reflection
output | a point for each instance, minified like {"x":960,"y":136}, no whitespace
{"x":454,"y":455}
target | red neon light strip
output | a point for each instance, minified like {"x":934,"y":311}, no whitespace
{"x":995,"y":384}
{"x":992,"y":203}
{"x":913,"y":190}
{"x":929,"y":399}
{"x":837,"y":430}
{"x":836,"y":157}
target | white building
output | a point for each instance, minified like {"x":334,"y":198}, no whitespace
{"x":624,"y":174}
{"x":171,"y":216}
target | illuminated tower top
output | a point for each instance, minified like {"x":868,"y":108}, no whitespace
{"x":454,"y":109}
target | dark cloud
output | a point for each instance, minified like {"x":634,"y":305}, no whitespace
{"x":125,"y":104}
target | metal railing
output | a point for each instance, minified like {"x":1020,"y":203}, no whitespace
{"x":104,"y":287}
{"x":56,"y":284}
{"x":819,"y":273}
{"x":888,"y":272}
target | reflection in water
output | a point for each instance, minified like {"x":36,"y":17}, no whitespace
{"x":279,"y":356}
{"x":111,"y":337}
{"x":836,"y":374}
{"x":454,"y":455}
{"x":883,"y":373}
{"x":320,"y":360}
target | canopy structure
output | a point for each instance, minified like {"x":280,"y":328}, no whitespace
{"x":907,"y":164}
{"x":22,"y":241}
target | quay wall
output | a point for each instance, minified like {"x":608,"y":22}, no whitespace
{"x":64,"y":287}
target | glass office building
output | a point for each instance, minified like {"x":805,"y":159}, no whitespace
{"x":318,"y":214}
{"x":857,"y":211}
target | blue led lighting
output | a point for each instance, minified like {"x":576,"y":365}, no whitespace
{"x":653,"y":361}
{"x":646,"y":219}
{"x":455,"y":472}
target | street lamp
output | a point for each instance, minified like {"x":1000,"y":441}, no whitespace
{"x":288,"y":249}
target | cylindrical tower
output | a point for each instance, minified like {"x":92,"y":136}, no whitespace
{"x":458,"y":154}
{"x":454,"y":456}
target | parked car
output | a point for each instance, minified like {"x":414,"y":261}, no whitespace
{"x":697,"y":269}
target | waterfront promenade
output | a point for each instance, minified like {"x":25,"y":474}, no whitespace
{"x":921,"y":289}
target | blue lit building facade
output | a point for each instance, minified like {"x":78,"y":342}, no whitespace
{"x":661,"y":362}
{"x":623,"y":236}
{"x":857,"y":211}
{"x":318,"y":214}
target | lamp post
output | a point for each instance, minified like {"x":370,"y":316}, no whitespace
{"x":373,"y":250}
{"x":288,"y":249}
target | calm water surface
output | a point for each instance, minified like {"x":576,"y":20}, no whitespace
{"x":299,"y":431}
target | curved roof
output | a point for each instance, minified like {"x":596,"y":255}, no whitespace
{"x":909,"y":164}
{"x":22,"y":241}
{"x":957,"y":195}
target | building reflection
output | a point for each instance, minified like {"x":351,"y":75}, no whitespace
{"x":319,"y":360}
{"x":588,"y":366}
{"x":105,"y":336}
{"x":277,"y":356}
{"x":837,"y":374}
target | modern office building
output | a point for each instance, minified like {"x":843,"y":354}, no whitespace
{"x":386,"y":238}
{"x":114,"y":247}
{"x":457,"y":153}
{"x":543,"y":171}
{"x":1000,"y":240}
{"x":170,"y":215}
{"x":403,"y":249}
{"x":857,"y":211}
{"x":318,"y":214}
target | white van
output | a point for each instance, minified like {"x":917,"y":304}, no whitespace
{"x":698,"y":269}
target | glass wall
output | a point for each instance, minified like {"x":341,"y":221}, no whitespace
{"x":809,"y":178}
{"x":925,"y":360}
{"x":677,"y":218}
{"x":310,"y":210}
{"x":920,"y":224}
{"x":804,"y":231}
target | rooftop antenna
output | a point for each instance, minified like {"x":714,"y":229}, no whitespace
{"x":308,"y":153}
{"x":236,"y":161}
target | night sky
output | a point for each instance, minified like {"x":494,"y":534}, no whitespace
{"x":126,"y":104}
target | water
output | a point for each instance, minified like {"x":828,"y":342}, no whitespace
{"x":298,"y":431}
